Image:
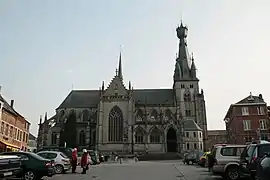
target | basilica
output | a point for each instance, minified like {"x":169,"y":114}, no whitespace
{"x":118,"y":118}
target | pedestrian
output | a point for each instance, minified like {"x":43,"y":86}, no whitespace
{"x":211,"y":161}
{"x":84,"y":161}
{"x":74,"y":160}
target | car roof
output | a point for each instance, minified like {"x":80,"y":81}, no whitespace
{"x":57,"y":152}
{"x":233,"y":145}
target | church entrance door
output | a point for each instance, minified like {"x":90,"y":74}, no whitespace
{"x":171,"y":140}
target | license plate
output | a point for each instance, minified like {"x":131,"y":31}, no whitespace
{"x":7,"y":173}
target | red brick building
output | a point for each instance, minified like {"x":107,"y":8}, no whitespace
{"x":216,"y":137}
{"x":247,"y":120}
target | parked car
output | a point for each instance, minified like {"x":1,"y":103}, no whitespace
{"x":190,"y":158}
{"x":227,"y":161}
{"x":94,"y":157}
{"x":9,"y":166}
{"x":203,"y":158}
{"x":251,"y":157}
{"x":263,"y":169}
{"x":33,"y":166}
{"x":66,"y":151}
{"x":61,"y":161}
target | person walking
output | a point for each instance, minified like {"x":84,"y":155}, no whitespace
{"x":84,"y":161}
{"x":211,"y":161}
{"x":74,"y":160}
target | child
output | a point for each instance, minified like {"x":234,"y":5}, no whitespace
{"x":84,"y":161}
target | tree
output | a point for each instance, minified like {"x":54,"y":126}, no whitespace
{"x":62,"y":138}
{"x":70,"y":132}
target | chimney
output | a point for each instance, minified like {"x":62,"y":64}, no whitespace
{"x":260,"y":96}
{"x":12,"y":103}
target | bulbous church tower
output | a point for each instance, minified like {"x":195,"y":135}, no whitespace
{"x":118,"y":118}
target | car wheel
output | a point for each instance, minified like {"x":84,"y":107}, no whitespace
{"x":29,"y":175}
{"x":59,"y":169}
{"x":232,"y":173}
{"x":190,"y":162}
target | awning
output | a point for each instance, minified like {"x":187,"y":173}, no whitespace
{"x":10,"y":145}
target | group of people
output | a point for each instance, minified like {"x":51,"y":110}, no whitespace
{"x":84,"y":160}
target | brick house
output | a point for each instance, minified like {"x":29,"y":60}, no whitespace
{"x":247,"y":120}
{"x":216,"y":137}
{"x":14,"y":128}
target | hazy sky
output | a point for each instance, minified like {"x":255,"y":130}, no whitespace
{"x":46,"y":46}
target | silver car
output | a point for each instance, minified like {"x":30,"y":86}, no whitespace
{"x":227,"y":160}
{"x":62,"y":162}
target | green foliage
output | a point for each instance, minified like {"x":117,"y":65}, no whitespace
{"x":70,"y":132}
{"x":62,"y":138}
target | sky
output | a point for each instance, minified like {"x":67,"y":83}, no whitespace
{"x":49,"y":47}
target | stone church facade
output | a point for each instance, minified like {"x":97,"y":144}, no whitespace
{"x":123,"y":119}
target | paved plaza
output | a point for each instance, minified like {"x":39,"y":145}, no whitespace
{"x":155,"y":170}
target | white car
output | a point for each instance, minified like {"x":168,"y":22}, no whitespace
{"x":62,"y":162}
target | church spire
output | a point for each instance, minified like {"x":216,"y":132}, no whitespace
{"x":183,"y":69}
{"x":193,"y":68}
{"x":120,"y":73}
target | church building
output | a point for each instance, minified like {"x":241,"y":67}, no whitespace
{"x":118,"y":118}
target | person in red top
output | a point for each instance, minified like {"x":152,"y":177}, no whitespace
{"x":84,"y":161}
{"x":74,"y":160}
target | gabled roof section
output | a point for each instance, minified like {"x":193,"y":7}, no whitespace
{"x":251,"y":99}
{"x":153,"y":96}
{"x":32,"y":137}
{"x":81,"y":99}
{"x":10,"y":109}
{"x":191,"y":125}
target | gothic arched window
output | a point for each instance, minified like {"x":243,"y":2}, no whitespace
{"x":82,"y":138}
{"x":54,"y":138}
{"x":139,"y":115}
{"x":187,"y":97}
{"x":85,"y":116}
{"x":61,"y":116}
{"x":139,"y":136}
{"x":155,"y":136}
{"x":154,"y":114}
{"x":168,"y":114}
{"x":116,"y":121}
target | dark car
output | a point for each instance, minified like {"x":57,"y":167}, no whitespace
{"x":263,"y":169}
{"x":33,"y":166}
{"x":190,"y":158}
{"x":10,"y":166}
{"x":94,"y":157}
{"x":250,"y":158}
{"x":66,"y":151}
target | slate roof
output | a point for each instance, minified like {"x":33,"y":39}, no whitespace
{"x":154,"y":96}
{"x":191,"y":125}
{"x":8,"y":108}
{"x":90,"y":98}
{"x":251,"y":99}
{"x":32,"y":137}
{"x":81,"y":99}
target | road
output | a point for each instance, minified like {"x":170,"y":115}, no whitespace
{"x":158,"y":170}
